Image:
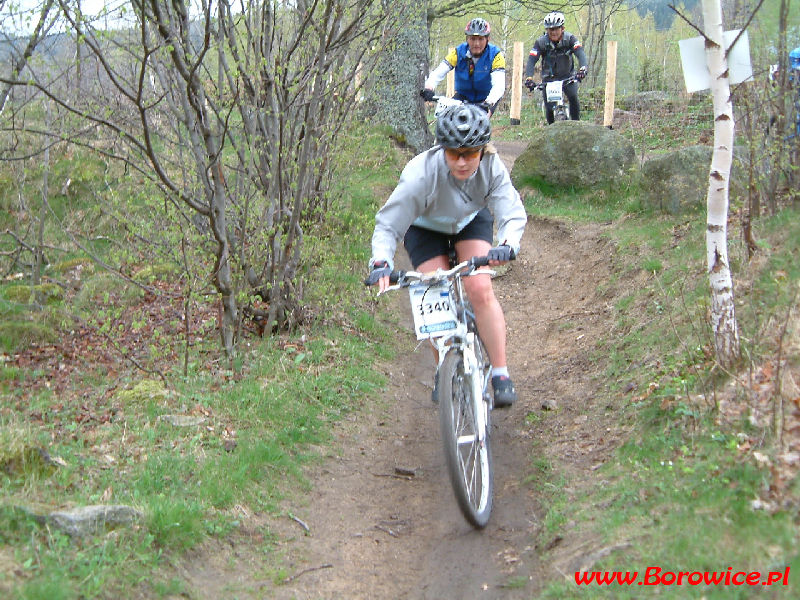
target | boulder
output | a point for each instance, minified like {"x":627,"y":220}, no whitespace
{"x":574,"y":153}
{"x":677,"y":181}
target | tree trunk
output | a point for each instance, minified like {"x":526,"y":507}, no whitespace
{"x":38,"y":255}
{"x":400,"y":75}
{"x":723,"y":317}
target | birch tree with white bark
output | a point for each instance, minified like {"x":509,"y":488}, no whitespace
{"x":723,"y":315}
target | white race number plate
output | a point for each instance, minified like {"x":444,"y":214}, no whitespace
{"x":432,"y":306}
{"x":553,"y":91}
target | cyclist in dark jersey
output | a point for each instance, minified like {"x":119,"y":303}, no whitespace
{"x":556,"y":48}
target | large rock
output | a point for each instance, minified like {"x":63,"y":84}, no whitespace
{"x":575,"y":153}
{"x":677,"y":181}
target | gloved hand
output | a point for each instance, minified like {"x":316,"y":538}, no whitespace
{"x":502,"y":253}
{"x":581,"y":73}
{"x":530,"y":83}
{"x":484,"y":105}
{"x":426,"y":94}
{"x":380,"y":268}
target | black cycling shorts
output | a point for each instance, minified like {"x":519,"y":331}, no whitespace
{"x":424,"y":244}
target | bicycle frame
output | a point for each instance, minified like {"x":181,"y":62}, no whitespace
{"x":460,"y":339}
{"x":554,"y":97}
{"x":464,"y":341}
{"x":445,"y":318}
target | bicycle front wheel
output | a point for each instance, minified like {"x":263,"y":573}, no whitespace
{"x":469,"y":460}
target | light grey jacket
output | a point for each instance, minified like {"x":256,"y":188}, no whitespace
{"x":428,"y":196}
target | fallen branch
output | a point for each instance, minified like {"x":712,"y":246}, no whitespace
{"x":301,"y":523}
{"x":394,"y":475}
{"x":304,"y":571}
{"x":387,"y":530}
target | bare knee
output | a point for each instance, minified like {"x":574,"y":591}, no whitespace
{"x":479,"y":290}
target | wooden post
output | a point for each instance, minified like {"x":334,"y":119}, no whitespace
{"x":516,"y":84}
{"x":611,"y":82}
{"x":451,"y":78}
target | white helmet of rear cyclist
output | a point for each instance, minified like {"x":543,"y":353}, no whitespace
{"x":553,"y":20}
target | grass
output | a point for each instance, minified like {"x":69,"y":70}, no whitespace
{"x":185,"y":479}
{"x":679,"y":493}
{"x":679,"y":496}
{"x":674,"y":125}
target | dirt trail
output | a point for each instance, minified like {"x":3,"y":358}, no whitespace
{"x":375,"y":533}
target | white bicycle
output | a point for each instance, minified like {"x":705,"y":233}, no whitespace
{"x":444,"y":102}
{"x":553,"y":100}
{"x":443,"y":314}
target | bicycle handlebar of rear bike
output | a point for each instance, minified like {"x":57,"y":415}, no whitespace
{"x":542,"y":84}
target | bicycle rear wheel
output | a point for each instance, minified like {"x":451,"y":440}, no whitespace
{"x":469,"y":461}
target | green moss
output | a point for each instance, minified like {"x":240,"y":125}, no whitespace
{"x":72,"y":263}
{"x":26,"y":294}
{"x":19,"y":452}
{"x":16,"y":335}
{"x":155,"y":272}
{"x":142,"y":392}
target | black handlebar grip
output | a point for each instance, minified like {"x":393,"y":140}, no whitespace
{"x":482,"y":261}
{"x":394,"y":277}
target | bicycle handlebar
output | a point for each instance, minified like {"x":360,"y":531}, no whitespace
{"x":542,"y":84}
{"x":402,"y":279}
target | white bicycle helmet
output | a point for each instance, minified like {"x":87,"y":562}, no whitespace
{"x":554,"y":19}
{"x":463,"y":126}
{"x":477,"y":27}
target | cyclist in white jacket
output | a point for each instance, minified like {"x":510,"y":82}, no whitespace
{"x":451,"y":194}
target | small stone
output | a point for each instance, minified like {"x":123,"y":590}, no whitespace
{"x":89,"y":520}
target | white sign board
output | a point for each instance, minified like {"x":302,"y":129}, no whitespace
{"x":695,"y":69}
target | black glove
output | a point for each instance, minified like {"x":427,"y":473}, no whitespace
{"x":502,"y":253}
{"x":530,"y":83}
{"x":380,"y":268}
{"x":581,"y":73}
{"x":426,"y":94}
{"x":484,"y":105}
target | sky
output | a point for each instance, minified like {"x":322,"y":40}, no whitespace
{"x":92,"y":7}
{"x":25,"y":26}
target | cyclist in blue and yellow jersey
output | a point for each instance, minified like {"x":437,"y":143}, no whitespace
{"x":794,"y":65}
{"x":480,"y":69}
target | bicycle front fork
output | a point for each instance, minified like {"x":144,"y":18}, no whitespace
{"x":476,"y":379}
